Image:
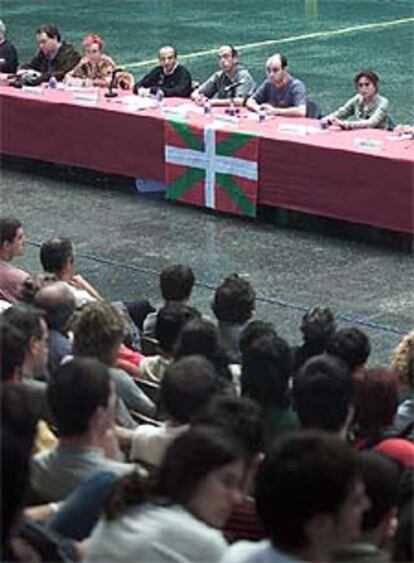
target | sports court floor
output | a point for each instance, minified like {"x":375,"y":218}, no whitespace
{"x":124,"y":239}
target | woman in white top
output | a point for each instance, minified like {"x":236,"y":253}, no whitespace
{"x":177,"y":517}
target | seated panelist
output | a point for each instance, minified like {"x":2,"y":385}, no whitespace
{"x":169,"y":76}
{"x":95,"y":67}
{"x":367,"y":109}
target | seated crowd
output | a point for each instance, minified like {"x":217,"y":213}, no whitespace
{"x":232,"y":85}
{"x":130,"y":434}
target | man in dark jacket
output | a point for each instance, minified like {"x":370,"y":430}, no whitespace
{"x":55,"y":57}
{"x":169,"y":76}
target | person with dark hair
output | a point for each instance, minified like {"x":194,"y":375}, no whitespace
{"x":187,"y":386}
{"x":172,"y":78}
{"x":381,"y":478}
{"x":82,"y":401}
{"x":233,"y":305}
{"x":243,"y":417}
{"x":201,"y":337}
{"x":310,"y":497}
{"x":58,"y":304}
{"x":12,"y":243}
{"x":280,"y":93}
{"x":178,"y":518}
{"x":54,"y":57}
{"x":12,"y":351}
{"x":367,"y":109}
{"x":170,"y":320}
{"x":232,"y":83}
{"x":265,"y":378}
{"x":34,"y":283}
{"x":253,"y":330}
{"x":323,"y":395}
{"x":8,"y":53}
{"x":352,"y":345}
{"x":176,"y":284}
{"x":318,"y":326}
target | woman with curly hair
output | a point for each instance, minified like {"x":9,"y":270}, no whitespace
{"x":95,"y":68}
{"x":403,"y":366}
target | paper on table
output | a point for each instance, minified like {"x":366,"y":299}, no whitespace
{"x":137,"y":102}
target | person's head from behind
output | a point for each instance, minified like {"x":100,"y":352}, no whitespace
{"x":266,"y":371}
{"x":93,"y":45}
{"x":309,"y":494}
{"x":367,"y":83}
{"x":381,"y":477}
{"x":234,"y":300}
{"x":80,"y":398}
{"x":323,"y":394}
{"x":58,"y":303}
{"x":31,"y":324}
{"x":12,"y":352}
{"x":57,"y":256}
{"x":201,"y":337}
{"x":48,"y":39}
{"x":187,"y":386}
{"x":176,"y":282}
{"x":203,"y":470}
{"x":252,"y":331}
{"x":318,"y":326}
{"x":168,"y":58}
{"x":170,"y":320}
{"x":376,"y":400}
{"x":351,"y":345}
{"x":12,"y":238}
{"x":403,"y":361}
{"x":34,"y":283}
{"x":98,"y":332}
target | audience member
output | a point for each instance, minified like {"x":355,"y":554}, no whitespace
{"x":58,"y":304}
{"x":201,"y":337}
{"x":187,"y":386}
{"x":323,"y":395}
{"x":176,"y":284}
{"x":253,"y":330}
{"x":381,"y":478}
{"x":8,"y":53}
{"x":233,"y":305}
{"x":265,"y":378}
{"x":98,"y":333}
{"x":351,"y":345}
{"x":403,"y":367}
{"x":318,"y":326}
{"x":12,"y":243}
{"x":95,"y":67}
{"x":367,"y":109}
{"x":310,"y":497}
{"x":34,"y":283}
{"x":172,"y":78}
{"x":54,"y":57}
{"x":195,"y":491}
{"x":231,"y":83}
{"x":170,"y":320}
{"x":280,"y":93}
{"x":81,"y":398}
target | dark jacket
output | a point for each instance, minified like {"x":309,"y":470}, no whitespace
{"x":9,"y":54}
{"x":66,"y":58}
{"x":177,"y":84}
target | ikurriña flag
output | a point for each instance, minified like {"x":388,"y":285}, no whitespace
{"x":211,"y":168}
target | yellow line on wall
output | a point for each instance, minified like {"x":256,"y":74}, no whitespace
{"x":292,"y":39}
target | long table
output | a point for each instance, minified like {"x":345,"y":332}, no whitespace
{"x":325,"y":173}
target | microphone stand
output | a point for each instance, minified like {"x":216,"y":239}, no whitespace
{"x":110,"y":93}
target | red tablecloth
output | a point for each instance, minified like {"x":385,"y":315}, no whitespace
{"x":321,"y":173}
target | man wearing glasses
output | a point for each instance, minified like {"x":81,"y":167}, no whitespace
{"x":280,"y":93}
{"x":232,"y":83}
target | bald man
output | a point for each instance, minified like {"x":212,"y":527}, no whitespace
{"x":169,"y":76}
{"x":280,"y":93}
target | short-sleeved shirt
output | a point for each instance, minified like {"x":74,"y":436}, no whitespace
{"x":217,"y":85}
{"x":291,"y":94}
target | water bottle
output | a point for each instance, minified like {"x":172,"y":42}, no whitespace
{"x":159,"y":96}
{"x":53,"y":82}
{"x":207,"y":107}
{"x":262,"y":115}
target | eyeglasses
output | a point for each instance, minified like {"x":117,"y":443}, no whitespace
{"x":361,"y":84}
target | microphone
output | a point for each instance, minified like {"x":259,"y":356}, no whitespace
{"x":110,"y":93}
{"x":233,"y":86}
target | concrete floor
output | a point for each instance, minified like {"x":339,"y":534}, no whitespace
{"x":124,"y":239}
